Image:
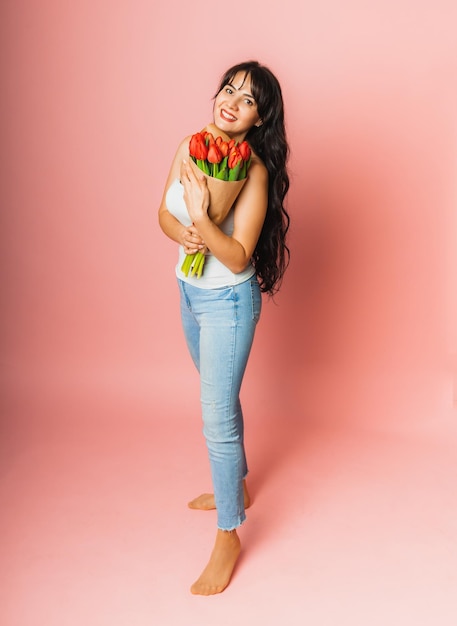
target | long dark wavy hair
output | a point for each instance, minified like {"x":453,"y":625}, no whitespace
{"x":271,"y":255}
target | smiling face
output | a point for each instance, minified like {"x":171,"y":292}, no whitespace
{"x":235,"y":109}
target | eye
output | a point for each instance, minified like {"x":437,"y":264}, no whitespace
{"x":229,"y":90}
{"x":249,"y":102}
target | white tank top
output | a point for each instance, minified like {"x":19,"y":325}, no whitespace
{"x":215,"y":274}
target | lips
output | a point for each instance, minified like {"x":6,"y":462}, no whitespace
{"x":227,"y":116}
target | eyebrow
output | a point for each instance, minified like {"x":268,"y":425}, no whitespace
{"x":236,"y":89}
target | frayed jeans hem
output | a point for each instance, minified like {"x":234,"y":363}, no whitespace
{"x":230,"y":529}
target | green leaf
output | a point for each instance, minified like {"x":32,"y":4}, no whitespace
{"x":203,"y":165}
{"x":223,"y":174}
{"x":234,"y":172}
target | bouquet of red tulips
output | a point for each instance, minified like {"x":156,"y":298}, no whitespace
{"x":225,"y":164}
{"x":224,"y":160}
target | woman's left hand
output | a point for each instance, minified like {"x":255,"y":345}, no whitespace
{"x":191,"y":241}
{"x":196,"y":193}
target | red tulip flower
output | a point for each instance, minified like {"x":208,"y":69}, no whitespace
{"x":214,"y":154}
{"x":234,"y":157}
{"x":224,"y":148}
{"x":197,"y":147}
{"x":245,"y":150}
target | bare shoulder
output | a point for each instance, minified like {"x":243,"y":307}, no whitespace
{"x":183,"y":148}
{"x":258,"y":170}
{"x":182,"y":152}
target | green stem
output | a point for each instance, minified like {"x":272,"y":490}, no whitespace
{"x":187,"y":263}
{"x":199,"y":256}
{"x":200,"y":267}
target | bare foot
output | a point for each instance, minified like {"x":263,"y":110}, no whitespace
{"x":205,"y":502}
{"x":216,"y":575}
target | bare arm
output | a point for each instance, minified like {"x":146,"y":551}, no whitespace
{"x":186,"y":236}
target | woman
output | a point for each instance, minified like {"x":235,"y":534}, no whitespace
{"x":245,"y":255}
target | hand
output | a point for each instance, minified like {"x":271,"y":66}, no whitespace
{"x":191,"y":240}
{"x":196,"y":193}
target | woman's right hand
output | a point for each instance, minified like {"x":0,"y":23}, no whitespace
{"x":191,"y":240}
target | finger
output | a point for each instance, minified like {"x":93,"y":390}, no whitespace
{"x":185,"y":173}
{"x":189,"y":172}
{"x":192,"y":175}
{"x":192,"y":229}
{"x":195,"y":238}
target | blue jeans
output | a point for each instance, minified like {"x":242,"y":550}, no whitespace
{"x":219,"y":327}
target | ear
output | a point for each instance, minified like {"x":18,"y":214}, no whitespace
{"x":259,"y":124}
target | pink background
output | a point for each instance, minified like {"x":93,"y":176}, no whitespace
{"x":361,"y":339}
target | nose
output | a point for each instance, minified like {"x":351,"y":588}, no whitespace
{"x":233,"y":102}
